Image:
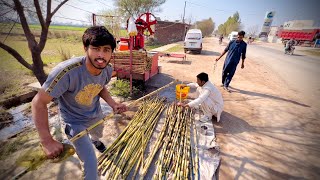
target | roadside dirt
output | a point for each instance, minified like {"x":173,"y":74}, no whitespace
{"x":267,"y":131}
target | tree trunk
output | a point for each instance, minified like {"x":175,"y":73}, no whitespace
{"x":38,"y":67}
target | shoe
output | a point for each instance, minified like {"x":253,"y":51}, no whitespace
{"x":67,"y":131}
{"x":99,"y":146}
{"x":204,"y":119}
{"x":227,"y":89}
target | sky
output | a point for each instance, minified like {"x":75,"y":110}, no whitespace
{"x":251,"y":12}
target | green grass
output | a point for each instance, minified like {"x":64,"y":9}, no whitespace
{"x":22,"y":141}
{"x":149,"y":47}
{"x":38,"y":27}
{"x":176,"y":48}
{"x":14,"y":76}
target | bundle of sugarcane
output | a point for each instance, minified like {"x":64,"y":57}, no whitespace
{"x":140,"y":61}
{"x":158,"y":142}
{"x":128,"y":149}
{"x":135,"y":68}
{"x":176,"y":159}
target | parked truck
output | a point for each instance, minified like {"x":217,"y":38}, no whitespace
{"x":301,"y":36}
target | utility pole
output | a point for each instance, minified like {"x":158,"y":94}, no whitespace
{"x":94,"y":20}
{"x":184,"y":12}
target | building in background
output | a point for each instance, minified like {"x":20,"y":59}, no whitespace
{"x":168,"y":32}
{"x":266,"y":24}
{"x":273,"y":34}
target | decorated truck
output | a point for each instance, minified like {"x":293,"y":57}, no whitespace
{"x":301,"y":36}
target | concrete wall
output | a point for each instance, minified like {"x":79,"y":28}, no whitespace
{"x":169,"y":32}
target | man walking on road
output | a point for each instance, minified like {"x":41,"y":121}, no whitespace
{"x":236,"y":49}
{"x":78,"y":84}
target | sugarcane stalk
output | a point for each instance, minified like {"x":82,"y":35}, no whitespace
{"x":196,"y":162}
{"x":86,"y":131}
{"x":155,"y":148}
{"x":123,"y":165}
{"x":159,"y":170}
{"x":147,"y":134}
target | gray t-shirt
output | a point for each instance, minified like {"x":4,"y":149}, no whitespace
{"x":77,"y":91}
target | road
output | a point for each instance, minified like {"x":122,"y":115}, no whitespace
{"x":270,"y":126}
{"x":301,"y":72}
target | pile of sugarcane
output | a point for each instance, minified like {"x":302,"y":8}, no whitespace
{"x":128,"y":149}
{"x":141,"y":62}
{"x":176,"y":141}
{"x":178,"y":158}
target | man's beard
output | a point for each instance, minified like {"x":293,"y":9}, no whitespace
{"x":92,"y":62}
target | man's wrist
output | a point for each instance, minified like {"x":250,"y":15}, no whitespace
{"x":46,"y":139}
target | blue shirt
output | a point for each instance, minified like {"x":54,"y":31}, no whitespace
{"x":77,"y":90}
{"x":235,"y":51}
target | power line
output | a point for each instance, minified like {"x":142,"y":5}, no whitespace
{"x":71,"y":19}
{"x":79,"y":8}
{"x":103,"y":3}
{"x":76,"y":7}
{"x":6,"y":12}
{"x":63,"y":17}
{"x":9,"y":31}
{"x":84,"y":1}
{"x":222,"y":10}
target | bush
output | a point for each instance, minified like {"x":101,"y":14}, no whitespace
{"x":64,"y":53}
{"x":122,"y":88}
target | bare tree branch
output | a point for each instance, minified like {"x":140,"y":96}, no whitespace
{"x":30,"y":37}
{"x":16,"y":55}
{"x":57,"y":8}
{"x":39,"y":13}
{"x":6,"y":4}
{"x":48,"y":11}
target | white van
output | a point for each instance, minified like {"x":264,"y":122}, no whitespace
{"x":233,"y":35}
{"x":193,"y":41}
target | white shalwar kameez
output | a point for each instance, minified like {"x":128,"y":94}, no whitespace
{"x":210,"y":100}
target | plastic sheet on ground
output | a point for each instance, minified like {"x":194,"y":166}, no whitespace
{"x":209,"y":158}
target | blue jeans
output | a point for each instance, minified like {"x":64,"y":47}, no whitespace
{"x":85,"y":149}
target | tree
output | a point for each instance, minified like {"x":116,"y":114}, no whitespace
{"x":233,"y":23}
{"x":253,"y":30}
{"x":36,"y":46}
{"x":206,"y":26}
{"x":130,"y":8}
{"x":112,"y":21}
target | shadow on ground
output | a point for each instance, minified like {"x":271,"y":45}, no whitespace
{"x":185,"y":62}
{"x":235,"y":90}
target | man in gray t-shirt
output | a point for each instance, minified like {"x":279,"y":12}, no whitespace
{"x":78,"y":84}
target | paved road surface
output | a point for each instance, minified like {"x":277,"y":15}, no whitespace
{"x":270,"y":127}
{"x":301,"y":72}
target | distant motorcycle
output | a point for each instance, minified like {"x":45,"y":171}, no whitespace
{"x":289,"y":50}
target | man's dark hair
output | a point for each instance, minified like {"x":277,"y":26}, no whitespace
{"x":203,"y":77}
{"x":98,"y":36}
{"x":241,"y":33}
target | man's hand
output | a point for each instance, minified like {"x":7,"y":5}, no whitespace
{"x":119,"y":108}
{"x":52,"y":148}
{"x":182,"y":86}
{"x":182,"y":104}
{"x":242,"y":66}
